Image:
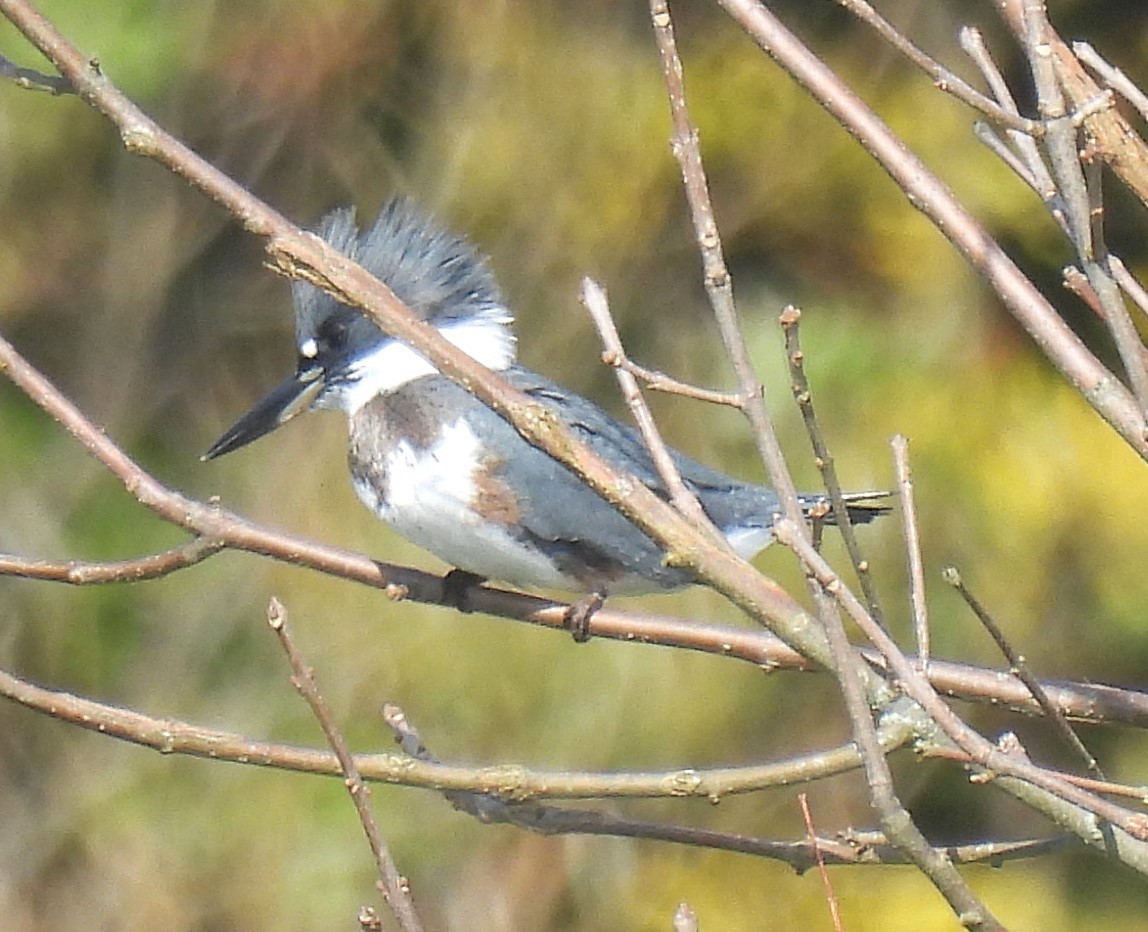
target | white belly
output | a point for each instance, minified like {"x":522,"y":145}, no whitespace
{"x":430,"y":495}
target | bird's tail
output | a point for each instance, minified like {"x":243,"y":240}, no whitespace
{"x":863,"y":507}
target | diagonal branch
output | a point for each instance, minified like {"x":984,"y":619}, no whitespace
{"x":929,"y":194}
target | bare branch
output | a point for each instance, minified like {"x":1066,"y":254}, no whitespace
{"x":917,"y":601}
{"x":1044,"y":791}
{"x":509,"y":782}
{"x":790,"y":325}
{"x":718,"y":284}
{"x":1019,"y":667}
{"x":394,"y":887}
{"x":86,"y":573}
{"x":944,"y":79}
{"x":594,"y":300}
{"x":1031,"y":309}
{"x":1112,"y":76}
{"x":33,"y":80}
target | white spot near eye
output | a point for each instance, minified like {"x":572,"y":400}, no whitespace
{"x":309,"y":348}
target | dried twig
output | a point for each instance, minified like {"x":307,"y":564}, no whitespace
{"x":826,"y":883}
{"x":32,"y":80}
{"x":718,"y":284}
{"x":1019,"y":667}
{"x":594,"y":300}
{"x":945,"y":80}
{"x":1022,"y":298}
{"x":1054,"y":791}
{"x":917,"y":600}
{"x":394,"y":887}
{"x":790,"y":325}
{"x":86,"y":573}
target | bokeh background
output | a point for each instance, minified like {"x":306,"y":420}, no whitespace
{"x":540,"y":128}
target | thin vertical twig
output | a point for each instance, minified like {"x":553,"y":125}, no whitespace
{"x":394,"y":887}
{"x":718,"y":284}
{"x":826,"y":883}
{"x":823,"y":458}
{"x":917,"y":599}
{"x":896,"y":821}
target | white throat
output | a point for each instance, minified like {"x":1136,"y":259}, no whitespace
{"x":485,"y":337}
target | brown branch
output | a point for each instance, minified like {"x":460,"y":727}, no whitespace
{"x":1114,"y":138}
{"x":1045,"y":791}
{"x":927,"y":192}
{"x":594,"y":299}
{"x":1018,"y":666}
{"x":791,"y":326}
{"x":86,"y":573}
{"x":850,"y":848}
{"x":1112,"y":76}
{"x":812,"y":840}
{"x":660,"y":382}
{"x":33,"y":80}
{"x":895,"y":819}
{"x":944,"y":79}
{"x":393,"y":886}
{"x":917,"y":601}
{"x":718,"y":284}
{"x":507,"y":782}
{"x":306,"y":256}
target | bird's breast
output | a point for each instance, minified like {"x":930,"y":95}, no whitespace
{"x":442,"y":489}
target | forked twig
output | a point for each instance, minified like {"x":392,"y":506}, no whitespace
{"x":594,"y":300}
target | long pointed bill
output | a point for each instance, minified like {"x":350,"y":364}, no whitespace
{"x":292,"y":397}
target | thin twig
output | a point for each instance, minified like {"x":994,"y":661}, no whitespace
{"x":87,"y":573}
{"x":718,"y":283}
{"x":393,"y":885}
{"x":942,"y":77}
{"x":1018,"y":666}
{"x":554,"y":820}
{"x":826,"y":883}
{"x":511,"y":782}
{"x":1112,"y":76}
{"x":594,"y":299}
{"x":917,"y":600}
{"x":1128,"y":282}
{"x":895,"y":819}
{"x":32,"y":80}
{"x":1036,"y":174}
{"x":660,"y":382}
{"x":1118,"y":143}
{"x":927,"y":192}
{"x":790,"y":325}
{"x":983,"y":752}
{"x":1081,"y":202}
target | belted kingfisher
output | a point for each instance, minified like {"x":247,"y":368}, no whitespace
{"x":451,"y":475}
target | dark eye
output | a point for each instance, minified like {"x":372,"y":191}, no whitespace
{"x":333,"y":333}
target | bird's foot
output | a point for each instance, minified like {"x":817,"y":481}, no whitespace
{"x":457,"y":586}
{"x":580,"y":614}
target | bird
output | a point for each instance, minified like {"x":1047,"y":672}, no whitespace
{"x":450,"y":474}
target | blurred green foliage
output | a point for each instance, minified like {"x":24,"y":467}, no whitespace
{"x":539,"y":127}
